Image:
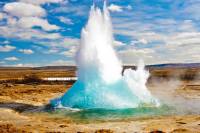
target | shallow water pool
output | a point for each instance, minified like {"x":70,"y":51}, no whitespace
{"x":88,"y":115}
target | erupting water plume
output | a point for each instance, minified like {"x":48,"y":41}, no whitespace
{"x":100,"y":83}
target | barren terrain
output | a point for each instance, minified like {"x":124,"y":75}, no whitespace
{"x":21,"y":105}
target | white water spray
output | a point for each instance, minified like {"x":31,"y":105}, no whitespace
{"x":100,"y":83}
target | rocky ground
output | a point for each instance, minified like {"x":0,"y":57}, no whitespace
{"x":20,"y":106}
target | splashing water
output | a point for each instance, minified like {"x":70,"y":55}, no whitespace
{"x":100,"y":83}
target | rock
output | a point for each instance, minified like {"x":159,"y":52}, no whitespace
{"x":104,"y":131}
{"x":156,"y":131}
{"x":180,"y":130}
{"x":181,"y":122}
{"x":8,"y":85}
{"x":63,"y":126}
{"x":9,"y":128}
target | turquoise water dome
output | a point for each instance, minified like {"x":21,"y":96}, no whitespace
{"x":100,"y":83}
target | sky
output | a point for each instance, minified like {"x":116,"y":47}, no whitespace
{"x":47,"y":32}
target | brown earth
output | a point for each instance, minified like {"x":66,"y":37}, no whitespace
{"x":8,"y":74}
{"x":20,"y":106}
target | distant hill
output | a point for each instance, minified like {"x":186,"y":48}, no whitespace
{"x":170,"y":65}
{"x":176,"y":65}
{"x":55,"y":68}
{"x":14,"y":68}
{"x":40,"y":68}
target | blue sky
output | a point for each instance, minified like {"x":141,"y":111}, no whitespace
{"x":47,"y":32}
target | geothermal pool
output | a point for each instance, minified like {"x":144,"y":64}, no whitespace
{"x":101,"y":115}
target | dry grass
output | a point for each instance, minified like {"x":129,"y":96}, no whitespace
{"x":19,"y":74}
{"x":184,"y":74}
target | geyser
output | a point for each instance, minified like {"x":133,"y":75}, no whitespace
{"x":100,"y":83}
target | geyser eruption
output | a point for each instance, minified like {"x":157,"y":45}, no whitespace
{"x":100,"y":83}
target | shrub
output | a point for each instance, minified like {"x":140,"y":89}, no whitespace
{"x":31,"y":79}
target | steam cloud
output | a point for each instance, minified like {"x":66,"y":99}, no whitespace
{"x":100,"y":83}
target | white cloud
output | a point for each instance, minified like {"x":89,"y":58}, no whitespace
{"x":187,"y":45}
{"x":27,"y":34}
{"x":139,"y":41}
{"x":61,"y":43}
{"x":62,"y":63}
{"x":58,"y":46}
{"x":52,"y":51}
{"x":29,"y":16}
{"x":163,"y":31}
{"x":26,"y":51}
{"x":20,"y":9}
{"x":24,"y":65}
{"x":69,"y":53}
{"x":2,"y":62}
{"x":115,"y":8}
{"x":133,"y":55}
{"x":13,"y":58}
{"x":29,"y":22}
{"x":129,"y":7}
{"x":6,"y":42}
{"x":21,"y":65}
{"x":79,"y":10}
{"x":162,"y":37}
{"x":71,"y":41}
{"x":7,"y":48}
{"x":38,"y":2}
{"x":11,"y":21}
{"x":118,"y":43}
{"x":1,"y":16}
{"x":191,"y":9}
{"x":143,"y":41}
{"x":66,"y":20}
